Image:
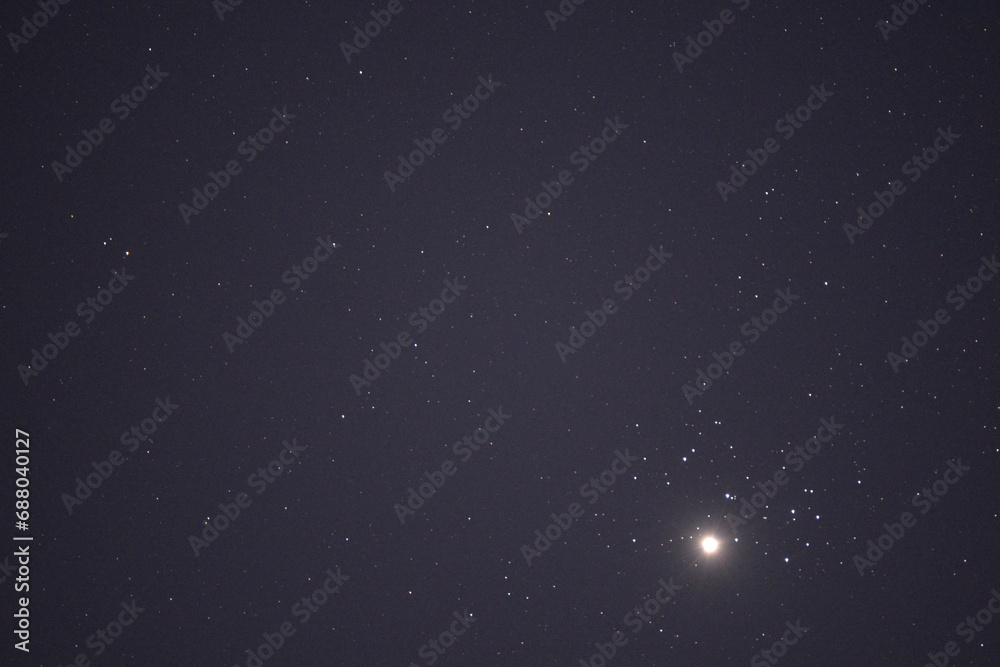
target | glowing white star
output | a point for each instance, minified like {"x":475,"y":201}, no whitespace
{"x":710,"y":545}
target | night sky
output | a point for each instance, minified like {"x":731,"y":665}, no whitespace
{"x":419,"y":333}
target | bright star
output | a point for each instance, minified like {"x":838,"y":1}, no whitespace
{"x":710,"y":545}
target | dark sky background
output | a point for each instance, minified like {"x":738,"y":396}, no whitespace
{"x":494,"y":347}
